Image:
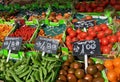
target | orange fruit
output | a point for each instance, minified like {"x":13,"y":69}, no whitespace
{"x":108,"y":64}
{"x":111,"y":75}
{"x":116,"y":62}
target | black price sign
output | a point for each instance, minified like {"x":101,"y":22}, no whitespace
{"x":117,"y":17}
{"x":12,"y":43}
{"x":46,"y":45}
{"x":91,"y":47}
{"x":84,"y":24}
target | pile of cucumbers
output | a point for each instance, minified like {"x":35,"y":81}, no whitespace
{"x":34,"y":69}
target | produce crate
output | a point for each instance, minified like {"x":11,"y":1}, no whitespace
{"x":34,"y":34}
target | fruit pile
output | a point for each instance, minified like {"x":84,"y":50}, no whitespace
{"x":115,"y":4}
{"x":102,"y":32}
{"x":112,"y":67}
{"x":25,"y":32}
{"x":54,"y":17}
{"x":4,"y":30}
{"x":95,"y":6}
{"x":73,"y":71}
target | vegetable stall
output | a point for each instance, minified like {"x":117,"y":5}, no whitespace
{"x":60,"y":41}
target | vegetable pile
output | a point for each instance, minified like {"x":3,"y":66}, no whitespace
{"x":73,"y":71}
{"x":4,"y":30}
{"x":102,"y":32}
{"x":25,"y":32}
{"x":32,"y":69}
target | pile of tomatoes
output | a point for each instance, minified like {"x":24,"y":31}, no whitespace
{"x":25,"y":32}
{"x":102,"y":32}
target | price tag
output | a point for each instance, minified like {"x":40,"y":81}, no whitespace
{"x":91,"y":47}
{"x":84,"y":24}
{"x":118,"y":17}
{"x":12,"y":43}
{"x":46,"y":45}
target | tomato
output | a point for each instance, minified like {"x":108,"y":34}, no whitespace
{"x":89,"y":38}
{"x":104,"y":41}
{"x":78,"y":31}
{"x":118,"y":33}
{"x":68,"y":43}
{"x":106,"y":50}
{"x":70,"y":47}
{"x":68,"y":38}
{"x":113,"y":39}
{"x":79,"y":36}
{"x":83,"y":35}
{"x":92,"y":34}
{"x":118,"y":38}
{"x":90,"y":29}
{"x":69,"y":29}
{"x":108,"y":31}
{"x":73,"y":34}
{"x":108,"y":37}
{"x":74,"y":39}
{"x":110,"y":46}
{"x":103,"y":26}
{"x":88,"y":17}
{"x":97,"y":28}
{"x":100,"y":34}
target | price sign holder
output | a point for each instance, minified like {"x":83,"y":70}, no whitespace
{"x":46,"y":45}
{"x":91,"y":47}
{"x":12,"y":43}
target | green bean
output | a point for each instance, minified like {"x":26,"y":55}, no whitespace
{"x":20,"y":68}
{"x":53,"y":75}
{"x":8,"y":79}
{"x":32,"y":78}
{"x":37,"y":76}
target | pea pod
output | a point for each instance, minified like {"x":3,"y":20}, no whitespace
{"x":41,"y":74}
{"x":50,"y":59}
{"x":44,"y":71}
{"x":16,"y":78}
{"x":25,"y":73}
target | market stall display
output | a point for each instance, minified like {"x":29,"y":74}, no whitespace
{"x":60,"y":41}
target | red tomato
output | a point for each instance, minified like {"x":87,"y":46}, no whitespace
{"x":97,"y":28}
{"x":118,"y":38}
{"x":106,"y":50}
{"x":79,"y":36}
{"x":103,"y":26}
{"x":113,"y":39}
{"x":90,"y":29}
{"x":104,"y":41}
{"x":78,"y":31}
{"x":110,"y":46}
{"x":68,"y":43}
{"x":108,"y":31}
{"x":92,"y":34}
{"x":74,"y":39}
{"x":68,"y":38}
{"x":69,"y":29}
{"x":83,"y":35}
{"x":72,"y":34}
{"x":118,"y":33}
{"x":100,"y":34}
{"x":70,"y":47}
{"x":89,"y":38}
{"x":108,"y":37}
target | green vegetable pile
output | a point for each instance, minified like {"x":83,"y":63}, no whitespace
{"x":31,"y":69}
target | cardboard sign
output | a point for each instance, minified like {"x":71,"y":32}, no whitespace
{"x":91,"y":47}
{"x":46,"y":45}
{"x":12,"y":43}
{"x":84,"y":24}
